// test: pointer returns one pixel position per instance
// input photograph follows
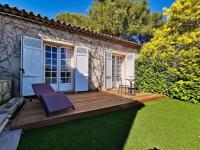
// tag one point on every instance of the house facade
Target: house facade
(34, 49)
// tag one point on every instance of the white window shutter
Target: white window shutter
(108, 69)
(81, 69)
(130, 66)
(31, 64)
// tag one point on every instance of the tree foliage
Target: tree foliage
(170, 63)
(117, 17)
(75, 19)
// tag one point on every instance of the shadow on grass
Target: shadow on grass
(108, 132)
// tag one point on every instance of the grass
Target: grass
(164, 125)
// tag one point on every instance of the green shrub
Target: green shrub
(153, 76)
(170, 63)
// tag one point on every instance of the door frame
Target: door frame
(46, 43)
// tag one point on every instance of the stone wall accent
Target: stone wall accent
(5, 89)
(13, 28)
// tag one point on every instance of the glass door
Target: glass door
(51, 66)
(65, 79)
(58, 70)
(116, 70)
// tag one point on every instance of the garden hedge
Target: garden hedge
(170, 63)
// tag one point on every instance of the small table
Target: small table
(131, 86)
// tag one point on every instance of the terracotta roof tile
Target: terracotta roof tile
(62, 25)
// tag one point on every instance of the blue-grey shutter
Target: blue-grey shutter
(130, 66)
(31, 63)
(81, 69)
(108, 69)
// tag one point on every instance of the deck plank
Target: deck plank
(86, 104)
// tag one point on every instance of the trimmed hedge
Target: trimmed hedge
(156, 77)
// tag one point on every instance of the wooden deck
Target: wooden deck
(86, 104)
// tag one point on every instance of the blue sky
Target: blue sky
(51, 8)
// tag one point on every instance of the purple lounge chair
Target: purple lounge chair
(51, 100)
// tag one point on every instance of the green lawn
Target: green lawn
(165, 125)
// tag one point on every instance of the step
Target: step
(9, 139)
(11, 106)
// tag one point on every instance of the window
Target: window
(58, 65)
(51, 64)
(116, 69)
(65, 61)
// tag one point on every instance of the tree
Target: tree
(117, 17)
(75, 19)
(141, 20)
(110, 17)
(172, 58)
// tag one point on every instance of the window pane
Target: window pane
(47, 74)
(48, 55)
(48, 61)
(70, 50)
(63, 68)
(54, 62)
(69, 57)
(48, 80)
(54, 49)
(63, 62)
(63, 50)
(68, 63)
(48, 48)
(68, 74)
(66, 80)
(63, 80)
(48, 68)
(69, 80)
(54, 68)
(63, 74)
(63, 56)
(54, 80)
(54, 74)
(68, 69)
(54, 55)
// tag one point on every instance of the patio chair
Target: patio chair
(121, 85)
(134, 88)
(51, 101)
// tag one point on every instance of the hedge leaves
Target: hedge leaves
(170, 62)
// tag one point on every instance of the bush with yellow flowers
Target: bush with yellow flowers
(170, 63)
